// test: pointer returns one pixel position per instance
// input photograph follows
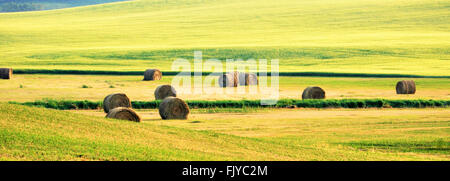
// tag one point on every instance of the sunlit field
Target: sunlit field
(96, 87)
(395, 134)
(356, 50)
(353, 36)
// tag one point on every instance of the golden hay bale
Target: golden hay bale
(6, 73)
(173, 108)
(152, 74)
(406, 87)
(164, 91)
(115, 100)
(235, 78)
(248, 79)
(226, 80)
(313, 93)
(124, 113)
(229, 79)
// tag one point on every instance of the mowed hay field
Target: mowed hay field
(351, 36)
(398, 134)
(364, 37)
(32, 87)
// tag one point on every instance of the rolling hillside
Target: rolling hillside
(28, 133)
(79, 137)
(349, 36)
(37, 5)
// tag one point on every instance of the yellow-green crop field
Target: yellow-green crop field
(366, 134)
(365, 37)
(351, 36)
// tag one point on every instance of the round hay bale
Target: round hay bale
(313, 93)
(173, 108)
(412, 87)
(229, 79)
(164, 91)
(235, 79)
(115, 100)
(226, 80)
(152, 74)
(252, 79)
(6, 73)
(124, 113)
(248, 79)
(242, 78)
(406, 87)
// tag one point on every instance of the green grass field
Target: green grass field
(42, 134)
(370, 36)
(359, 45)
(249, 105)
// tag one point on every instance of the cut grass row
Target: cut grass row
(310, 74)
(284, 103)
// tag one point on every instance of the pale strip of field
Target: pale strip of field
(306, 122)
(69, 87)
(422, 133)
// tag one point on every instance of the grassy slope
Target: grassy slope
(56, 135)
(55, 4)
(370, 36)
(41, 134)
